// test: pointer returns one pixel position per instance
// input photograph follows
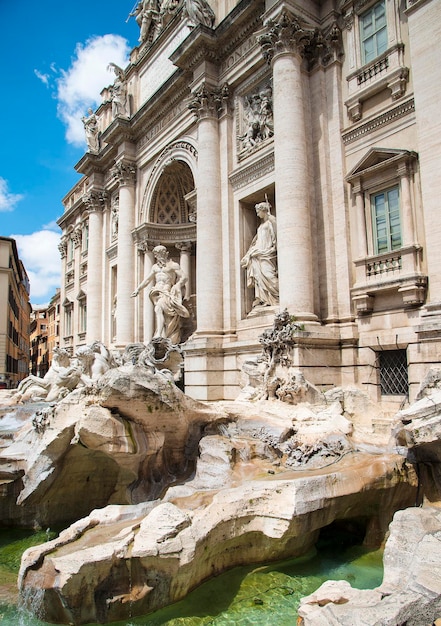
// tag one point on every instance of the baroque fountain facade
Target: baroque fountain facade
(212, 245)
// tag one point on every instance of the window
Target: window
(393, 373)
(373, 32)
(386, 220)
(68, 321)
(83, 315)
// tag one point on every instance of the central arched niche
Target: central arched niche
(170, 223)
(169, 204)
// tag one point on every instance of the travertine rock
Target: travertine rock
(411, 590)
(151, 560)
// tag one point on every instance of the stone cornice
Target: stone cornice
(204, 44)
(403, 109)
(120, 130)
(155, 234)
(252, 171)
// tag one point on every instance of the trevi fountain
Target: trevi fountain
(157, 493)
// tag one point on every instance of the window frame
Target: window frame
(389, 227)
(374, 35)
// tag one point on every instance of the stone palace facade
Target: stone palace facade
(327, 112)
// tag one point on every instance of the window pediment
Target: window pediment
(379, 158)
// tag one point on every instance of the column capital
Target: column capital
(183, 246)
(95, 200)
(144, 247)
(125, 172)
(287, 34)
(209, 100)
(62, 247)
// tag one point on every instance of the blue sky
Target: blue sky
(54, 65)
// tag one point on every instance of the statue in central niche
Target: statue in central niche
(260, 261)
(166, 294)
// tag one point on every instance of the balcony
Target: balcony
(386, 72)
(398, 271)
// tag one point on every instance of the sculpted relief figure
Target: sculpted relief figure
(118, 93)
(91, 128)
(258, 118)
(166, 294)
(260, 261)
(199, 12)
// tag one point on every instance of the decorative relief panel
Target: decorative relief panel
(255, 119)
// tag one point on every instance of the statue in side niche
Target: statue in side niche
(166, 295)
(260, 261)
(118, 93)
(199, 12)
(91, 128)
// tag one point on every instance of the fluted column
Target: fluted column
(125, 172)
(184, 261)
(95, 202)
(283, 45)
(148, 311)
(206, 105)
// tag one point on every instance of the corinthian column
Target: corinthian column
(283, 43)
(206, 105)
(125, 172)
(95, 202)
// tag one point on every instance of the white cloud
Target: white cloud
(8, 200)
(43, 77)
(41, 258)
(79, 87)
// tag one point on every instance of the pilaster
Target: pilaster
(207, 104)
(95, 202)
(125, 173)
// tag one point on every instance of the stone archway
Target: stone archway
(169, 207)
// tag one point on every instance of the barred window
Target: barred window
(393, 373)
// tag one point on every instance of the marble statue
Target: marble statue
(199, 12)
(94, 360)
(261, 259)
(61, 378)
(91, 128)
(118, 91)
(166, 295)
(148, 18)
(114, 218)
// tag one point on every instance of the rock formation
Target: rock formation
(411, 590)
(171, 491)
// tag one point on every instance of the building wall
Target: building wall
(14, 315)
(345, 130)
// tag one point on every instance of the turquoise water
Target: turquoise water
(247, 596)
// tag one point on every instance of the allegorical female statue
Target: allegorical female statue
(91, 128)
(260, 261)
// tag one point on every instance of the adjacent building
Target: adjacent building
(39, 357)
(328, 111)
(14, 316)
